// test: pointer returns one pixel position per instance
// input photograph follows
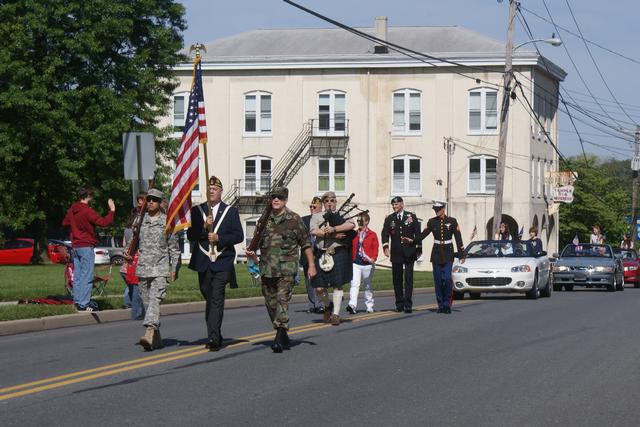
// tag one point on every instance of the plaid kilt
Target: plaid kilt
(341, 273)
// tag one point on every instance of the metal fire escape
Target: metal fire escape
(315, 139)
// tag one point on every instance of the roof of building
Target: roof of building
(280, 48)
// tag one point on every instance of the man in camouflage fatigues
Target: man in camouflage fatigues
(157, 263)
(283, 235)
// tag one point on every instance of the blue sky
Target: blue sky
(612, 24)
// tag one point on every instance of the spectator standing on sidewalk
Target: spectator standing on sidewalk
(82, 220)
(364, 251)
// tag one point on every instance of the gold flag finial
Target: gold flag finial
(197, 47)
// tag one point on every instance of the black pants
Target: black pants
(403, 296)
(212, 284)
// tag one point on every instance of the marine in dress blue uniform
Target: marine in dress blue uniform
(214, 274)
(402, 230)
(444, 229)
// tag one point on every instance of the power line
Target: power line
(578, 36)
(401, 49)
(596, 64)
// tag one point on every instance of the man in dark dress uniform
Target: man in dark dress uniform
(315, 303)
(214, 222)
(444, 229)
(402, 228)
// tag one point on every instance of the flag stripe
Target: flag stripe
(187, 172)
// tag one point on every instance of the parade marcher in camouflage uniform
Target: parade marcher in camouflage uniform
(157, 262)
(283, 235)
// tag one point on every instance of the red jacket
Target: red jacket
(82, 220)
(369, 245)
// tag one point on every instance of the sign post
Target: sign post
(139, 159)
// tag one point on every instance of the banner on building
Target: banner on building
(560, 178)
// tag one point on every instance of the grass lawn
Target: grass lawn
(34, 281)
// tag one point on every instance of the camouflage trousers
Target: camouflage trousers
(277, 294)
(152, 291)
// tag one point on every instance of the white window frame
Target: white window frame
(404, 128)
(260, 116)
(483, 174)
(331, 130)
(406, 190)
(483, 112)
(258, 187)
(177, 133)
(332, 175)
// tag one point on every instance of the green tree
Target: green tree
(599, 198)
(74, 75)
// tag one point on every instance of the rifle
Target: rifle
(132, 248)
(213, 250)
(262, 222)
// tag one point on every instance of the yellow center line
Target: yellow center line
(116, 368)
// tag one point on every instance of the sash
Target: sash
(215, 230)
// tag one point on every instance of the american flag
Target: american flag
(186, 174)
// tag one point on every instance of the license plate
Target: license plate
(580, 277)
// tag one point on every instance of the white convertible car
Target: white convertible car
(501, 266)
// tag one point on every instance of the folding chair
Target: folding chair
(101, 279)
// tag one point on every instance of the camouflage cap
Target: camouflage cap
(282, 192)
(214, 180)
(154, 192)
(316, 200)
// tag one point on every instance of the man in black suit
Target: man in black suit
(403, 229)
(315, 303)
(214, 223)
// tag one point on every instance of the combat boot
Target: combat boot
(146, 341)
(286, 343)
(157, 340)
(276, 346)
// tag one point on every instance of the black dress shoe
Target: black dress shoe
(439, 310)
(399, 309)
(446, 310)
(213, 346)
(408, 310)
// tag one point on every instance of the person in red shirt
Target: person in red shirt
(83, 220)
(364, 254)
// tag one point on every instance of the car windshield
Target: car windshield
(495, 249)
(586, 250)
(626, 253)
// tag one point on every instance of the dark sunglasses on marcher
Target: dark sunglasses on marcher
(153, 199)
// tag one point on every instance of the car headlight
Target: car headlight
(521, 269)
(459, 269)
(560, 268)
(631, 268)
(603, 269)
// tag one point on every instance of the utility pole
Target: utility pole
(449, 147)
(504, 121)
(634, 193)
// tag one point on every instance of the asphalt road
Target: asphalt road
(571, 360)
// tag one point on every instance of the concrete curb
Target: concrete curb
(12, 327)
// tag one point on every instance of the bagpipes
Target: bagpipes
(334, 219)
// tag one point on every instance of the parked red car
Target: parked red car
(19, 251)
(16, 251)
(631, 265)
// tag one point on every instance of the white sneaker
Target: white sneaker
(369, 310)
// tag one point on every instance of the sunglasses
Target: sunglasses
(153, 199)
(276, 196)
(329, 200)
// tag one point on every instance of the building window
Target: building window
(482, 175)
(332, 115)
(483, 111)
(331, 175)
(179, 111)
(249, 230)
(406, 111)
(257, 175)
(406, 176)
(257, 113)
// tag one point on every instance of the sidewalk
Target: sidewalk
(11, 327)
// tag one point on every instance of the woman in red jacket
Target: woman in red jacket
(364, 254)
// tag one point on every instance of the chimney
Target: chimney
(380, 31)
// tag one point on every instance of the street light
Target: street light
(553, 41)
